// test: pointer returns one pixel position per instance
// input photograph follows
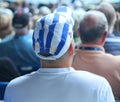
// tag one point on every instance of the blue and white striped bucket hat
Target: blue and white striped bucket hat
(52, 35)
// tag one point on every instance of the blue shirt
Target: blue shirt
(112, 44)
(20, 50)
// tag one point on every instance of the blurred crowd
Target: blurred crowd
(17, 22)
(36, 11)
(18, 18)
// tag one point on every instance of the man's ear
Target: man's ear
(71, 48)
(104, 38)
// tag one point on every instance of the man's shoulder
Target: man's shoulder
(5, 45)
(6, 42)
(76, 76)
(109, 56)
(22, 80)
(86, 78)
(88, 75)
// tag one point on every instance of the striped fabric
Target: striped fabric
(52, 35)
(67, 13)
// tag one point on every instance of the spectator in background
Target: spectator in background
(6, 29)
(78, 4)
(91, 57)
(78, 13)
(56, 81)
(18, 5)
(8, 70)
(25, 6)
(117, 23)
(44, 10)
(19, 48)
(112, 43)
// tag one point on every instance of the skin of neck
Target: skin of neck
(54, 64)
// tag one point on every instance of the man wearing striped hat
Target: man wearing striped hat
(57, 81)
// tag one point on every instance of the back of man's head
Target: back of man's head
(92, 26)
(110, 14)
(20, 21)
(5, 22)
(52, 36)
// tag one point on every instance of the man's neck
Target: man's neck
(54, 65)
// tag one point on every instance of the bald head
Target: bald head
(109, 12)
(92, 26)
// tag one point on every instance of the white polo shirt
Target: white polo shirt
(59, 85)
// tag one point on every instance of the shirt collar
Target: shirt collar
(55, 70)
(93, 46)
